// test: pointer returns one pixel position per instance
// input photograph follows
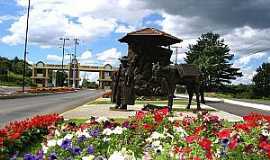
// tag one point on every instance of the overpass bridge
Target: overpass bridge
(44, 75)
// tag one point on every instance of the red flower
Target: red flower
(191, 138)
(140, 115)
(265, 146)
(147, 126)
(158, 118)
(209, 155)
(205, 144)
(225, 133)
(163, 111)
(233, 143)
(1, 141)
(196, 158)
(198, 130)
(14, 136)
(245, 127)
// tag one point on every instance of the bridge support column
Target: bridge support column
(46, 77)
(33, 74)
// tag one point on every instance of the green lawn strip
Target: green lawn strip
(228, 96)
(255, 100)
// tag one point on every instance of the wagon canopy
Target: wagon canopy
(150, 36)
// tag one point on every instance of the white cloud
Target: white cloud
(86, 58)
(54, 58)
(6, 18)
(85, 20)
(109, 56)
(91, 76)
(245, 60)
(124, 29)
(247, 40)
(248, 74)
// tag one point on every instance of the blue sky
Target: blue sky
(99, 25)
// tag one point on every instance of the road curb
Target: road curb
(31, 95)
(247, 104)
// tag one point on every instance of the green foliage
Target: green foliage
(11, 71)
(262, 81)
(88, 84)
(60, 78)
(212, 57)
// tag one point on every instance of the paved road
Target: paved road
(15, 109)
(235, 109)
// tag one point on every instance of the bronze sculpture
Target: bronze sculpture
(147, 69)
(183, 74)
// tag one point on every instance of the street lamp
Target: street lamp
(63, 47)
(25, 44)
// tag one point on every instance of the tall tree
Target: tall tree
(262, 81)
(212, 57)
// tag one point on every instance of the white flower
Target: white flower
(158, 149)
(51, 143)
(68, 136)
(102, 119)
(105, 139)
(171, 119)
(180, 130)
(107, 131)
(156, 135)
(118, 130)
(91, 157)
(122, 155)
(59, 141)
(117, 156)
(83, 133)
(44, 148)
(265, 132)
(156, 144)
(57, 133)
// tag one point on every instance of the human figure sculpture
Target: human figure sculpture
(120, 88)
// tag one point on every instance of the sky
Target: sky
(98, 24)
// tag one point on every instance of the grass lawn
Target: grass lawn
(229, 96)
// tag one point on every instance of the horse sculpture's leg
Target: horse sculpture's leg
(190, 96)
(197, 92)
(202, 95)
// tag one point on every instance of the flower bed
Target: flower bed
(17, 136)
(159, 135)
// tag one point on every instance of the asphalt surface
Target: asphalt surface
(21, 108)
(235, 109)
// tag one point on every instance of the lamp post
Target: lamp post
(63, 52)
(25, 44)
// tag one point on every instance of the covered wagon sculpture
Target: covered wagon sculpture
(148, 71)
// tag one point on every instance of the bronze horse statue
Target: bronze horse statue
(183, 74)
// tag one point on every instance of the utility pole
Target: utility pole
(176, 53)
(76, 42)
(63, 56)
(70, 65)
(25, 44)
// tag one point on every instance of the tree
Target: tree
(262, 81)
(212, 57)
